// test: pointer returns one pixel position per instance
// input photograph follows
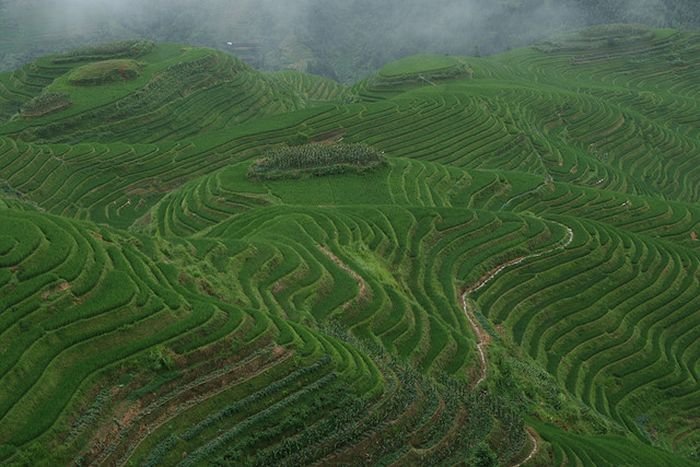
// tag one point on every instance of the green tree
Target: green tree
(483, 457)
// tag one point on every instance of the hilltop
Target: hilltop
(115, 93)
(480, 260)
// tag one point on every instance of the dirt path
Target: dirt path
(483, 337)
(361, 284)
(469, 307)
(535, 448)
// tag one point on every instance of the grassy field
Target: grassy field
(517, 279)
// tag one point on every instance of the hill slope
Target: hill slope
(518, 283)
(156, 94)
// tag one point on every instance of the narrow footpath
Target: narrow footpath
(483, 337)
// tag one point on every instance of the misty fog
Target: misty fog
(343, 39)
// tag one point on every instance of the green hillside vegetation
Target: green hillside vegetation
(421, 64)
(602, 37)
(317, 89)
(108, 51)
(316, 160)
(108, 71)
(414, 71)
(515, 280)
(154, 99)
(45, 103)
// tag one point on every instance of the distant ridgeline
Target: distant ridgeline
(103, 52)
(457, 261)
(335, 38)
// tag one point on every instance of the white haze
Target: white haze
(367, 32)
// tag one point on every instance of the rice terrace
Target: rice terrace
(458, 260)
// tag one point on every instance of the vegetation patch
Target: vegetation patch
(45, 104)
(419, 70)
(316, 160)
(601, 36)
(108, 71)
(422, 69)
(420, 64)
(112, 50)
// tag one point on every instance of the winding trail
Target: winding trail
(483, 337)
(535, 448)
(361, 283)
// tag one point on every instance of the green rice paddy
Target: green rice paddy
(160, 307)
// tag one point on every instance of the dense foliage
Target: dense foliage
(108, 71)
(316, 159)
(45, 103)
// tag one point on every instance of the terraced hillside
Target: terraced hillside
(518, 283)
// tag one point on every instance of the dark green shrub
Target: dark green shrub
(317, 160)
(104, 72)
(45, 104)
